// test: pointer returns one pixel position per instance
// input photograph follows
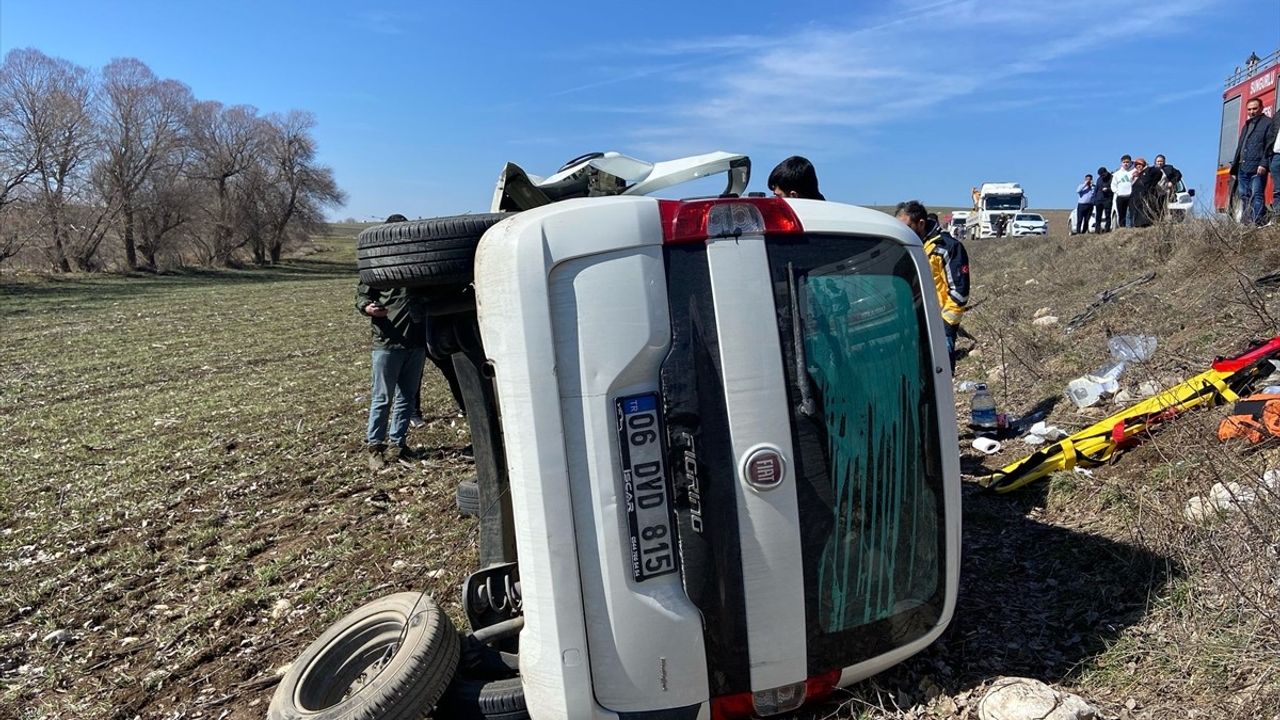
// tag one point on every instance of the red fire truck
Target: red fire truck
(1257, 79)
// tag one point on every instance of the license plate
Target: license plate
(646, 487)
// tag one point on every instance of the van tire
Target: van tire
(423, 649)
(485, 700)
(422, 253)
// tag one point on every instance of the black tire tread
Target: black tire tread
(485, 700)
(422, 253)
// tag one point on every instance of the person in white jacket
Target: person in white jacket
(1122, 186)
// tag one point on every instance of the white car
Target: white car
(721, 435)
(1029, 224)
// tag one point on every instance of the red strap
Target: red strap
(1244, 360)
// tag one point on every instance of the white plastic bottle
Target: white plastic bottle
(982, 409)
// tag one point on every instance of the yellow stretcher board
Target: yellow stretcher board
(1098, 443)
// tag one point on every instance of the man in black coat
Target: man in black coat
(1249, 167)
(1144, 203)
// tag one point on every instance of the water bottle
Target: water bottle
(982, 409)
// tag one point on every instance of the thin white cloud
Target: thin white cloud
(1209, 89)
(625, 76)
(916, 58)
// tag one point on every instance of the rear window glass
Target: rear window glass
(865, 431)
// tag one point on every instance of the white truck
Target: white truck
(998, 203)
(958, 224)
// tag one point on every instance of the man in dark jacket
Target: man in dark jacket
(1145, 199)
(1249, 167)
(1167, 186)
(398, 327)
(1104, 199)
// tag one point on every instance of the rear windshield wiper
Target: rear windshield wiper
(806, 406)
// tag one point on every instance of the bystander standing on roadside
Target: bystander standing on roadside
(949, 264)
(1249, 166)
(1086, 196)
(1145, 195)
(398, 328)
(1122, 186)
(1104, 201)
(1275, 171)
(441, 361)
(1168, 186)
(795, 177)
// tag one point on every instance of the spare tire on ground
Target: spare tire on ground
(389, 659)
(422, 253)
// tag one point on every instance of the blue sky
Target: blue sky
(419, 104)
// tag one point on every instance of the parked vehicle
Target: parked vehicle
(998, 202)
(1181, 202)
(685, 512)
(958, 224)
(1257, 79)
(1029, 224)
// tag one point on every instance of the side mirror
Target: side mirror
(1191, 192)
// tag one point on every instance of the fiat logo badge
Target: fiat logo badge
(764, 468)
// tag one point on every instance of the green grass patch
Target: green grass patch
(183, 451)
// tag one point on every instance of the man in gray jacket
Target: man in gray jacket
(1249, 167)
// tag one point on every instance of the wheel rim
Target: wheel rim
(351, 661)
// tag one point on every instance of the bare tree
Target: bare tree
(144, 121)
(164, 206)
(252, 209)
(224, 143)
(52, 99)
(136, 157)
(297, 188)
(15, 228)
(18, 154)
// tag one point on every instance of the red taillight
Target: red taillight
(745, 705)
(820, 686)
(732, 707)
(698, 220)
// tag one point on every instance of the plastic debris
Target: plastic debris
(1132, 348)
(1040, 432)
(1088, 389)
(1084, 392)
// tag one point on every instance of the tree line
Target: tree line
(121, 168)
